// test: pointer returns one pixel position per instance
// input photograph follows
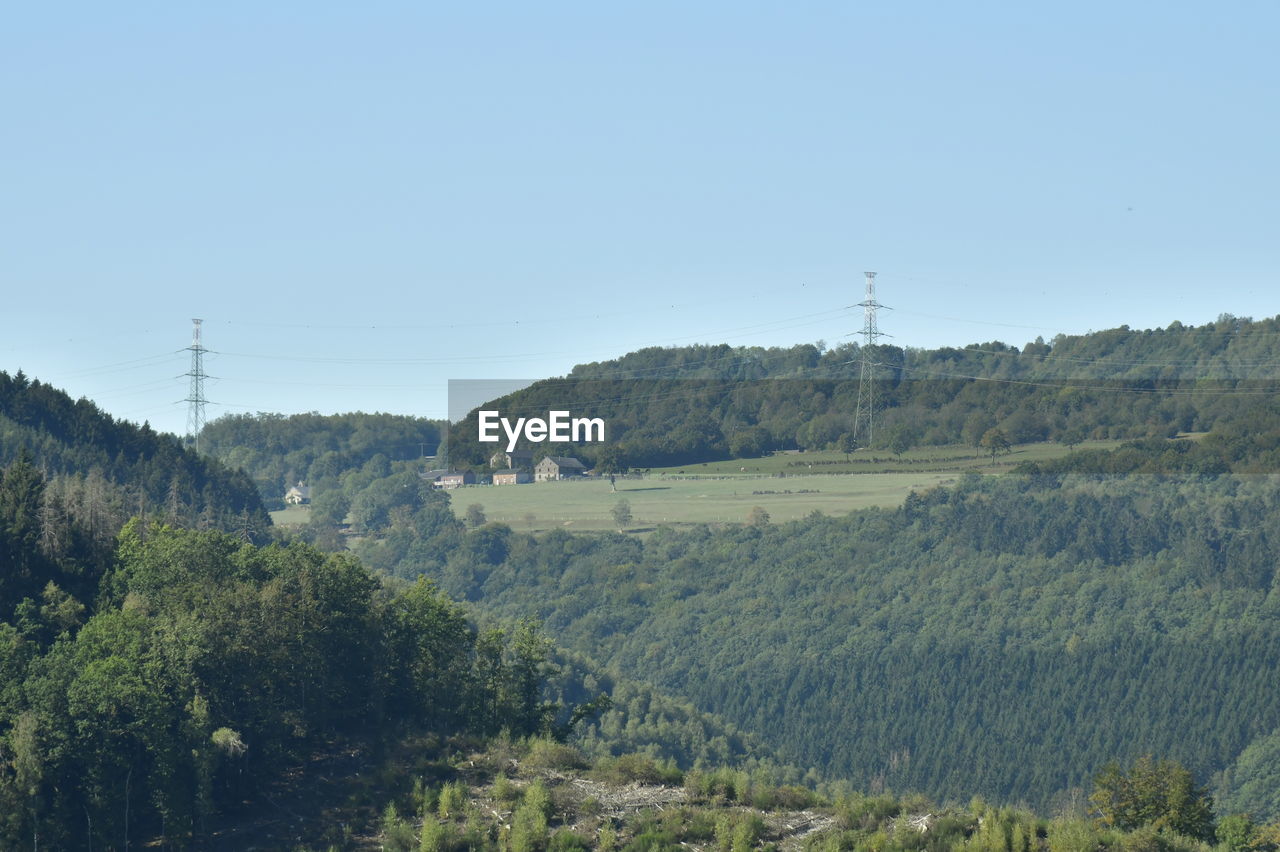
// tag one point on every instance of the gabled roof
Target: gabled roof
(563, 461)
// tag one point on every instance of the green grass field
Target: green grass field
(292, 516)
(720, 492)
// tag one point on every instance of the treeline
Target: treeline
(1005, 636)
(1247, 442)
(280, 450)
(133, 466)
(692, 404)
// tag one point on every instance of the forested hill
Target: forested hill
(113, 469)
(159, 685)
(280, 450)
(1005, 637)
(1230, 348)
(697, 403)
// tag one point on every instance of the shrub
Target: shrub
(397, 834)
(565, 840)
(504, 790)
(529, 825)
(627, 768)
(1073, 835)
(434, 836)
(453, 800)
(549, 754)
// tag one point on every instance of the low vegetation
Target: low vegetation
(506, 797)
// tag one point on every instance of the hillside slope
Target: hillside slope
(1006, 637)
(129, 469)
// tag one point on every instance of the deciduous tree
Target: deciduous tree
(621, 512)
(1158, 793)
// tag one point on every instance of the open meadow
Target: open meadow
(786, 485)
(292, 516)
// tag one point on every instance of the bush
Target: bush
(652, 839)
(397, 834)
(529, 824)
(434, 836)
(626, 768)
(565, 840)
(538, 799)
(549, 754)
(453, 800)
(786, 798)
(866, 812)
(726, 785)
(1144, 839)
(504, 790)
(1074, 835)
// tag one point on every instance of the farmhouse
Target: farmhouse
(453, 480)
(557, 467)
(511, 477)
(298, 495)
(441, 478)
(513, 460)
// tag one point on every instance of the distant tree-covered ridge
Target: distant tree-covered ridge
(698, 403)
(280, 450)
(120, 469)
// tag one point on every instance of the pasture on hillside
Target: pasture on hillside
(786, 485)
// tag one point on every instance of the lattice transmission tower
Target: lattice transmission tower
(195, 395)
(864, 415)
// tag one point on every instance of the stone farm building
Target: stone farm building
(453, 480)
(511, 477)
(514, 460)
(557, 467)
(449, 478)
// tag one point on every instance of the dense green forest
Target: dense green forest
(152, 683)
(107, 470)
(687, 404)
(280, 450)
(1005, 637)
(156, 682)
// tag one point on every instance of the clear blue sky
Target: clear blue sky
(364, 201)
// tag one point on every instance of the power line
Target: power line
(1070, 384)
